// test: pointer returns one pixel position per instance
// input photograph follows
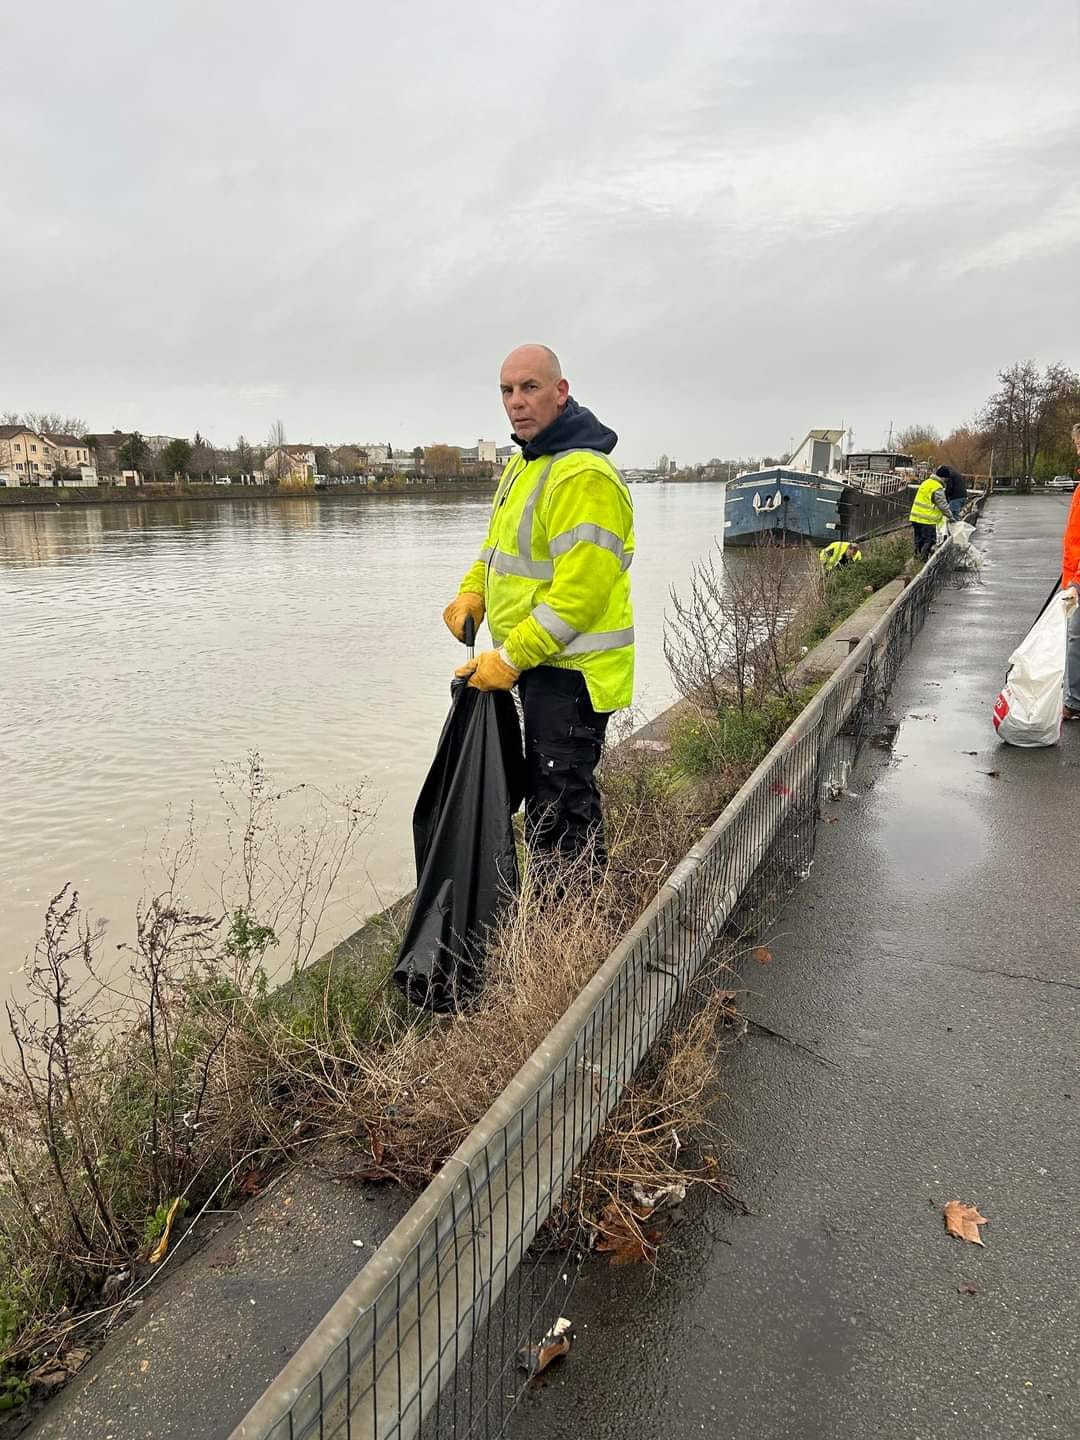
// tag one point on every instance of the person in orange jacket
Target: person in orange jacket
(1070, 579)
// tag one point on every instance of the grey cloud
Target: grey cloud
(731, 221)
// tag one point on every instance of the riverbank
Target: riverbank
(34, 498)
(336, 1060)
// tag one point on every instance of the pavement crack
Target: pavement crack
(1002, 974)
(795, 1044)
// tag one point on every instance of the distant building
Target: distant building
(25, 457)
(74, 458)
(157, 443)
(505, 453)
(290, 464)
(484, 452)
(30, 458)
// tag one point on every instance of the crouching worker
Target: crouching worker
(840, 552)
(552, 579)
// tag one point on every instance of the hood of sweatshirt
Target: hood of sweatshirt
(574, 428)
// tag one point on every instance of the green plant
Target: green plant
(156, 1223)
(732, 739)
(247, 941)
(14, 1388)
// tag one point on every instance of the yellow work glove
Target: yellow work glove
(459, 610)
(489, 671)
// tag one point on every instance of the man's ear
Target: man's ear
(563, 388)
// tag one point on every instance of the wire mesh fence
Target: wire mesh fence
(439, 1333)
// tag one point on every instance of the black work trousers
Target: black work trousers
(564, 736)
(925, 540)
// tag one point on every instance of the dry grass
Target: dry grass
(135, 1094)
(419, 1092)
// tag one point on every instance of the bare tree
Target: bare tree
(42, 420)
(920, 441)
(243, 454)
(346, 460)
(201, 464)
(276, 463)
(967, 449)
(1027, 410)
(732, 640)
(442, 461)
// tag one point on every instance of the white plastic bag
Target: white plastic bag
(967, 557)
(1028, 710)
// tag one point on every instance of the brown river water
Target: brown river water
(143, 646)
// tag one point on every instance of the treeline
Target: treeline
(1023, 431)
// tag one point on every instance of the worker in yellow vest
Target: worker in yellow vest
(553, 580)
(840, 552)
(929, 510)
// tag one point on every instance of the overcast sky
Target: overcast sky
(732, 220)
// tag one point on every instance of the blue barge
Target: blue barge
(820, 495)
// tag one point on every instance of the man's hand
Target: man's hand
(459, 610)
(489, 671)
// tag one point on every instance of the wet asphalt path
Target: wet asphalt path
(933, 959)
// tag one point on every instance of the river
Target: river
(146, 645)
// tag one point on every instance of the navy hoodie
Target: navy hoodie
(574, 428)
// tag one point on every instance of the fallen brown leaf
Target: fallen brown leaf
(622, 1237)
(963, 1221)
(60, 1368)
(762, 955)
(251, 1182)
(51, 1374)
(966, 1290)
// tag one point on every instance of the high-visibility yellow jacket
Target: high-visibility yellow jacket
(832, 555)
(554, 570)
(927, 508)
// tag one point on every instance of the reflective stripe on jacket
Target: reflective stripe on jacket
(925, 509)
(553, 570)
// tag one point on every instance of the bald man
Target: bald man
(553, 581)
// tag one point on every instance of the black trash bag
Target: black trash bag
(466, 862)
